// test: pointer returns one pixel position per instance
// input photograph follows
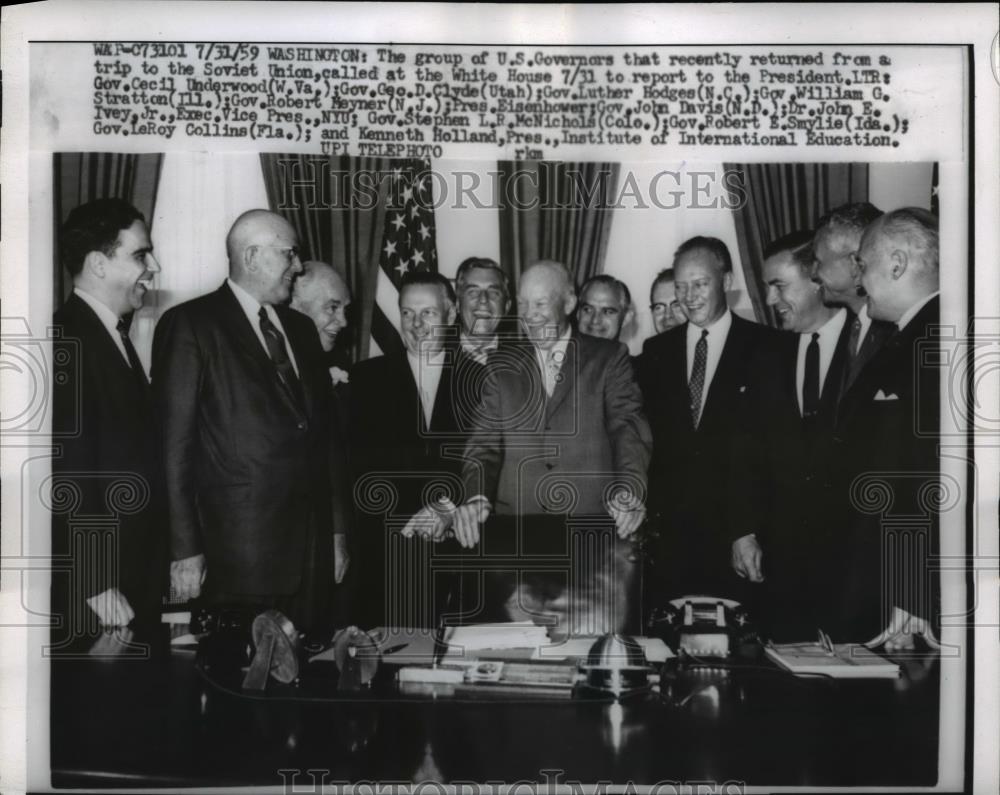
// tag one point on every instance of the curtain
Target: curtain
(559, 211)
(81, 177)
(339, 216)
(779, 198)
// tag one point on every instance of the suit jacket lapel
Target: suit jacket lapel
(839, 364)
(246, 339)
(298, 348)
(678, 375)
(102, 337)
(732, 351)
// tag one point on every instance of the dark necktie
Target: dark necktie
(853, 339)
(133, 357)
(810, 384)
(279, 355)
(697, 383)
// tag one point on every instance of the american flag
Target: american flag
(408, 244)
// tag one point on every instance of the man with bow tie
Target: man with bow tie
(104, 428)
(560, 443)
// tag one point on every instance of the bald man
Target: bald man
(888, 425)
(559, 449)
(322, 294)
(243, 395)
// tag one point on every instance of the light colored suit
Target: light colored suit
(548, 465)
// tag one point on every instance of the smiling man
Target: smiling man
(560, 436)
(698, 378)
(243, 391)
(105, 424)
(835, 245)
(789, 500)
(605, 307)
(322, 294)
(409, 413)
(483, 300)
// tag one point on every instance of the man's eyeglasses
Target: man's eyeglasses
(291, 252)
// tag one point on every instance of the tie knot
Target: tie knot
(815, 336)
(262, 314)
(124, 324)
(704, 333)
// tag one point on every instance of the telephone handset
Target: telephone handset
(702, 626)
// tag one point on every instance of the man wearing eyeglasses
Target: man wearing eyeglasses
(243, 391)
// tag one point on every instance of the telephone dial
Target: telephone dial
(702, 626)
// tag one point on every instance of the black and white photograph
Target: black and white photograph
(484, 401)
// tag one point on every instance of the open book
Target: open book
(846, 661)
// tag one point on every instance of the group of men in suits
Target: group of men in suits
(735, 445)
(763, 438)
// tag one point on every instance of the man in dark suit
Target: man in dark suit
(698, 379)
(835, 246)
(408, 416)
(888, 431)
(787, 492)
(104, 425)
(560, 439)
(483, 296)
(243, 390)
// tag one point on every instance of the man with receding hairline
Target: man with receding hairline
(559, 436)
(835, 247)
(321, 293)
(888, 427)
(605, 307)
(697, 379)
(244, 395)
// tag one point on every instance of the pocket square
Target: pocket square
(880, 395)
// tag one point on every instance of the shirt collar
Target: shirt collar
(832, 327)
(473, 345)
(910, 313)
(104, 313)
(251, 306)
(717, 330)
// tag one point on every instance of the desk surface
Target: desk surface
(167, 722)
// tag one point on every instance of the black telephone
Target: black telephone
(702, 626)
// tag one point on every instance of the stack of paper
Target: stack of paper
(846, 661)
(496, 637)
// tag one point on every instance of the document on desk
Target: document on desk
(846, 661)
(505, 636)
(656, 650)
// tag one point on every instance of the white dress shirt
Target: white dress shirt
(108, 319)
(866, 323)
(829, 333)
(716, 339)
(427, 375)
(910, 313)
(478, 351)
(556, 356)
(251, 307)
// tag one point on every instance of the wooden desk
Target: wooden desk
(165, 722)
